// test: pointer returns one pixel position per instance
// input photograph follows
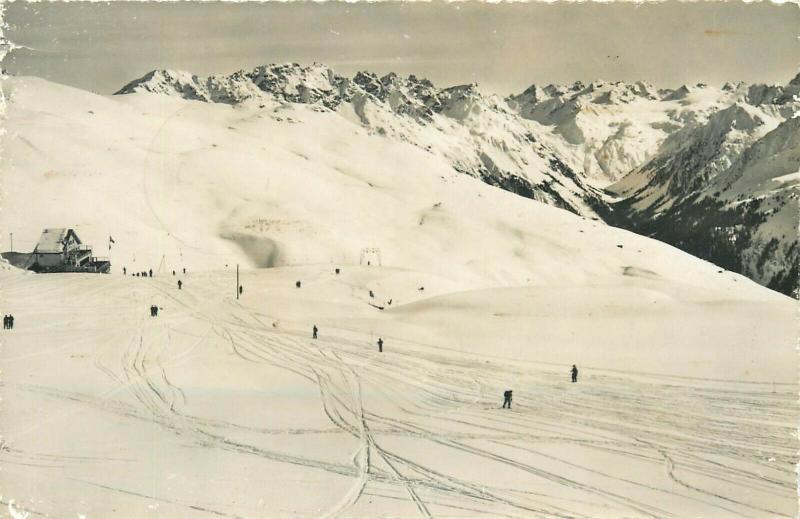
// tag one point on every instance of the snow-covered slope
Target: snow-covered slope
(686, 398)
(477, 134)
(208, 185)
(226, 407)
(558, 144)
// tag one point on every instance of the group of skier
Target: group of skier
(144, 273)
(8, 322)
(149, 273)
(315, 332)
(507, 394)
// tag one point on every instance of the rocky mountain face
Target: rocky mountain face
(713, 171)
(736, 206)
(726, 189)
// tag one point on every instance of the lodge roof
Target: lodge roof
(52, 240)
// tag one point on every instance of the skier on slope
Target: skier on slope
(315, 330)
(180, 284)
(574, 372)
(380, 344)
(507, 398)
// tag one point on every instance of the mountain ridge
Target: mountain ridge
(477, 133)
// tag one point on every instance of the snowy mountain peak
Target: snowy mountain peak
(679, 93)
(315, 83)
(162, 82)
(535, 94)
(410, 96)
(291, 81)
(318, 84)
(462, 101)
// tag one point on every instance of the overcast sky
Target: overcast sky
(502, 47)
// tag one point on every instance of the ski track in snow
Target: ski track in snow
(714, 445)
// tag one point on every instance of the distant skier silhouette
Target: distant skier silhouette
(150, 272)
(5, 322)
(507, 398)
(371, 294)
(574, 372)
(297, 284)
(180, 284)
(124, 271)
(315, 330)
(380, 345)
